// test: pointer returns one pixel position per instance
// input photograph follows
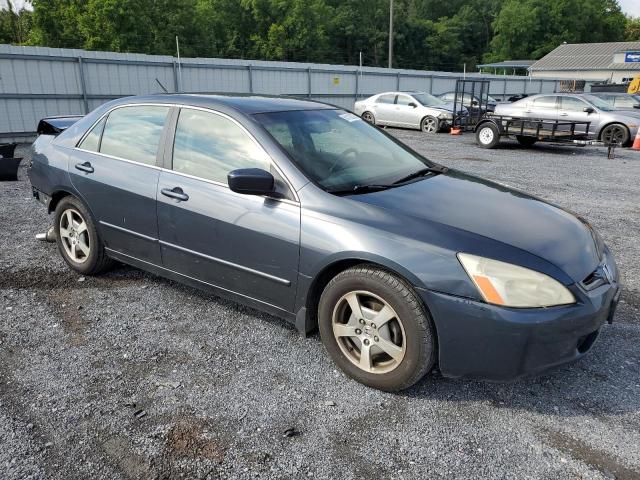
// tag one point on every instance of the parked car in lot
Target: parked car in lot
(619, 101)
(406, 109)
(607, 124)
(309, 213)
(471, 102)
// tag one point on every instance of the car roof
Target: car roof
(247, 104)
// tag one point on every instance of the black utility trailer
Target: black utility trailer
(528, 131)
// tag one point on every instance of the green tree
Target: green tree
(532, 28)
(632, 30)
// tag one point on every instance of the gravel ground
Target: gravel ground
(132, 376)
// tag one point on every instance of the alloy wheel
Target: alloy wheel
(368, 117)
(75, 235)
(430, 125)
(614, 135)
(369, 332)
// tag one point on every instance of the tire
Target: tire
(82, 238)
(487, 135)
(408, 332)
(369, 118)
(615, 132)
(526, 141)
(430, 124)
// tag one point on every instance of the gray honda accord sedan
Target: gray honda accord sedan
(307, 212)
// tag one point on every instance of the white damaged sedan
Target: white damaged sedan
(406, 109)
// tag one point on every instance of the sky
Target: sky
(630, 7)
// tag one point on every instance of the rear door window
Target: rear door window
(92, 141)
(133, 133)
(386, 99)
(545, 102)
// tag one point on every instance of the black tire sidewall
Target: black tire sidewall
(424, 120)
(496, 135)
(373, 118)
(95, 244)
(418, 355)
(627, 135)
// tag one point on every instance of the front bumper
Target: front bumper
(479, 340)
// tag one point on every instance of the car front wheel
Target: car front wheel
(615, 133)
(430, 124)
(376, 329)
(78, 240)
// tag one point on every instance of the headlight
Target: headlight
(446, 116)
(508, 285)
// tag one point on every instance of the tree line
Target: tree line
(428, 34)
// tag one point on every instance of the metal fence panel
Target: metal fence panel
(38, 81)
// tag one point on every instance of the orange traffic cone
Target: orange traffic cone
(636, 142)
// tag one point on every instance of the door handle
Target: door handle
(564, 114)
(175, 192)
(85, 167)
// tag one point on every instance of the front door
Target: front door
(572, 109)
(407, 115)
(116, 172)
(245, 244)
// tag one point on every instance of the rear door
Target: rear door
(572, 109)
(244, 244)
(543, 108)
(384, 109)
(115, 169)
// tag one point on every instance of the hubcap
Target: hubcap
(74, 235)
(486, 136)
(614, 134)
(430, 125)
(369, 332)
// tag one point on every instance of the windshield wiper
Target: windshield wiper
(436, 169)
(361, 189)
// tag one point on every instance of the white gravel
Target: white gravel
(131, 376)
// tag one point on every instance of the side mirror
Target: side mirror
(475, 103)
(251, 181)
(637, 105)
(411, 104)
(588, 110)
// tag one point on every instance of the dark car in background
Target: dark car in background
(309, 213)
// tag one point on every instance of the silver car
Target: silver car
(607, 124)
(406, 109)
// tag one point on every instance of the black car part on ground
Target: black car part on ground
(8, 163)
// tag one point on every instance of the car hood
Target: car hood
(499, 213)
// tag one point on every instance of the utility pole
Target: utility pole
(390, 33)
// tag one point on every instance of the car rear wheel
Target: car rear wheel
(526, 141)
(487, 135)
(430, 124)
(375, 328)
(369, 118)
(615, 133)
(78, 240)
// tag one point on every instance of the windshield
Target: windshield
(428, 100)
(338, 150)
(599, 103)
